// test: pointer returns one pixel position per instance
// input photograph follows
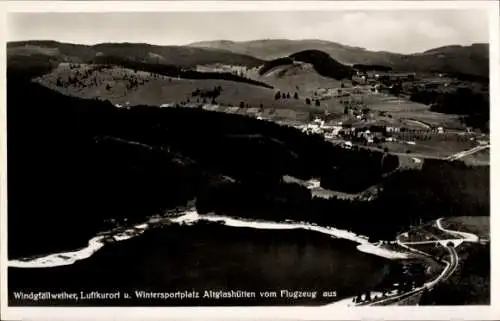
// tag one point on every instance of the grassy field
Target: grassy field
(480, 158)
(408, 110)
(410, 162)
(301, 78)
(479, 225)
(111, 84)
(434, 147)
(114, 84)
(298, 77)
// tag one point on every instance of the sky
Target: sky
(398, 31)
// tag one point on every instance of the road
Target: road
(455, 156)
(467, 152)
(448, 271)
(453, 264)
(468, 237)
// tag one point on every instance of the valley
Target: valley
(275, 159)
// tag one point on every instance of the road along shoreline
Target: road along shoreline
(449, 269)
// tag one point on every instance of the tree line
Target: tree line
(474, 106)
(104, 162)
(174, 71)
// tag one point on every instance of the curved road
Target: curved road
(468, 237)
(448, 271)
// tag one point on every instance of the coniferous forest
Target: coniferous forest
(75, 162)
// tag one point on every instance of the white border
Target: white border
(386, 313)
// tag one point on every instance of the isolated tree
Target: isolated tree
(242, 104)
(318, 102)
(277, 96)
(296, 95)
(342, 85)
(283, 96)
(308, 101)
(288, 96)
(108, 86)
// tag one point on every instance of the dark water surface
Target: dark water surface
(208, 257)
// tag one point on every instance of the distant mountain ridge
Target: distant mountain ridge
(469, 60)
(181, 56)
(466, 61)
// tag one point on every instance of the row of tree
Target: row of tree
(174, 71)
(279, 95)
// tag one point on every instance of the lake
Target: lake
(296, 264)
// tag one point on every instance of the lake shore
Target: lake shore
(183, 257)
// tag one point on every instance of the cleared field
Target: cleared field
(299, 77)
(390, 104)
(433, 147)
(479, 158)
(409, 162)
(479, 225)
(113, 84)
(404, 109)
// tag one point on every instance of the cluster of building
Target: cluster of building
(365, 131)
(374, 77)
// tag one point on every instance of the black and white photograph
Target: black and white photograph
(321, 157)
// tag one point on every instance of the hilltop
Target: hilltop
(138, 52)
(145, 74)
(126, 86)
(472, 60)
(321, 62)
(469, 60)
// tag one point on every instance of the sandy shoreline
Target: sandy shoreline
(190, 217)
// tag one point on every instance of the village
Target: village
(363, 112)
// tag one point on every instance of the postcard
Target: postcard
(248, 159)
